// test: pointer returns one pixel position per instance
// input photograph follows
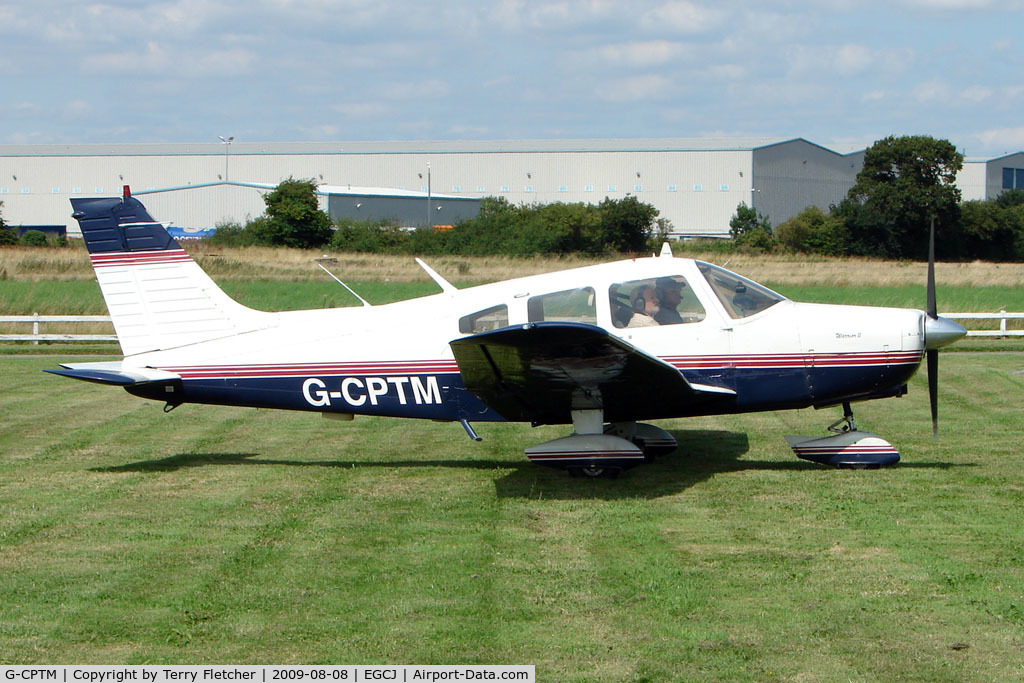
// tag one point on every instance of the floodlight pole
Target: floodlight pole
(429, 200)
(226, 141)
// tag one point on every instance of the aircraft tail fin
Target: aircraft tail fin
(158, 296)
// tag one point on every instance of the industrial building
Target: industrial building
(982, 179)
(695, 183)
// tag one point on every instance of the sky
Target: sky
(840, 73)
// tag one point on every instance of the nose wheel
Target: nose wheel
(593, 472)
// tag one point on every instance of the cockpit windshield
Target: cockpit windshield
(740, 297)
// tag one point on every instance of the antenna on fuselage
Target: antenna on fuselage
(446, 287)
(350, 290)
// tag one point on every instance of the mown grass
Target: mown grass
(235, 535)
(84, 298)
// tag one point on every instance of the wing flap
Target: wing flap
(542, 371)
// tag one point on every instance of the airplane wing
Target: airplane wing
(541, 371)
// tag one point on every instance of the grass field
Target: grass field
(222, 535)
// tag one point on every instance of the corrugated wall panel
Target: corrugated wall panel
(697, 190)
(972, 181)
(792, 176)
(994, 176)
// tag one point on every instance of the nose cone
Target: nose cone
(939, 332)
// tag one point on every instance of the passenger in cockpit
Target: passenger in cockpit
(645, 307)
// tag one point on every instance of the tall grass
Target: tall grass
(264, 263)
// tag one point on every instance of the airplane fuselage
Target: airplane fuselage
(343, 360)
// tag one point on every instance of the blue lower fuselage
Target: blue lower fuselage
(442, 396)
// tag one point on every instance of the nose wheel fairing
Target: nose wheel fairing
(854, 449)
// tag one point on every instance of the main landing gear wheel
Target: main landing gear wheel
(653, 441)
(594, 472)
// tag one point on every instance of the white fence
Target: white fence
(35, 319)
(38, 336)
(1001, 316)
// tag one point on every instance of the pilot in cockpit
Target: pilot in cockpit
(669, 294)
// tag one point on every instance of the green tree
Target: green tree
(33, 238)
(905, 182)
(989, 231)
(1016, 214)
(626, 225)
(1010, 198)
(500, 228)
(370, 236)
(751, 229)
(294, 218)
(7, 235)
(813, 231)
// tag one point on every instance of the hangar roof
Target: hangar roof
(339, 190)
(400, 147)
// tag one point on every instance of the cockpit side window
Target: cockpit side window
(740, 297)
(492, 318)
(571, 305)
(654, 301)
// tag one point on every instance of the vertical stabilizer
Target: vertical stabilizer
(158, 296)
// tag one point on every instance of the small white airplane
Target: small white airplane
(600, 347)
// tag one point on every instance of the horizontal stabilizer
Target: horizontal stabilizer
(112, 373)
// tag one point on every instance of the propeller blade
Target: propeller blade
(933, 389)
(933, 311)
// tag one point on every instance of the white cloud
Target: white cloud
(636, 89)
(181, 63)
(852, 59)
(76, 108)
(934, 90)
(1012, 92)
(977, 93)
(682, 16)
(414, 90)
(599, 68)
(513, 16)
(362, 110)
(1005, 139)
(727, 72)
(847, 60)
(464, 131)
(324, 131)
(949, 4)
(643, 53)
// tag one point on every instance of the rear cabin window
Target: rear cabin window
(653, 302)
(740, 297)
(492, 318)
(572, 305)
